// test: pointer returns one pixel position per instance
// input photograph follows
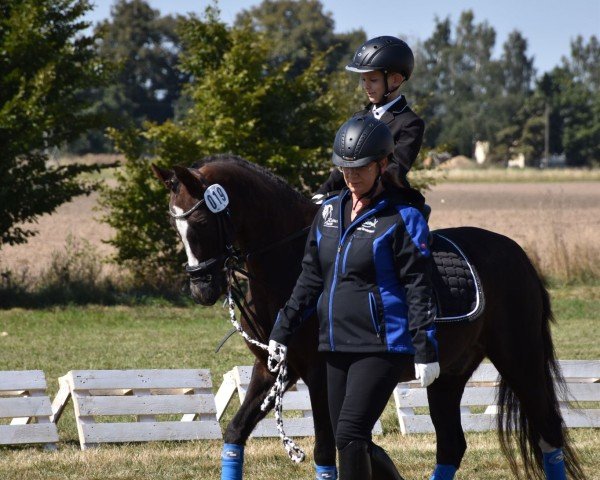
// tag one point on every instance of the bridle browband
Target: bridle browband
(179, 216)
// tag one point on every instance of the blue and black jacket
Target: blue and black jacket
(370, 281)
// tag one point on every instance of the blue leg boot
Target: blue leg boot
(232, 461)
(326, 472)
(554, 465)
(443, 472)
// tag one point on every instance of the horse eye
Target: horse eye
(198, 220)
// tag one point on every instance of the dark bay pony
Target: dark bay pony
(513, 330)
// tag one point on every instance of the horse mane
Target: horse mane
(287, 192)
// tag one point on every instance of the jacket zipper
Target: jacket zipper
(342, 237)
(346, 254)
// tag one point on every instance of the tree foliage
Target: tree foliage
(45, 62)
(143, 48)
(463, 94)
(240, 103)
(578, 104)
(297, 31)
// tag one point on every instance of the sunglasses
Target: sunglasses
(356, 170)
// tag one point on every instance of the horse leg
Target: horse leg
(444, 397)
(324, 451)
(244, 421)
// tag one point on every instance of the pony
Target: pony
(262, 219)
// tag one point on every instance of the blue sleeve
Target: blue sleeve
(414, 265)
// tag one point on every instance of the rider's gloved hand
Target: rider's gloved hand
(277, 355)
(427, 372)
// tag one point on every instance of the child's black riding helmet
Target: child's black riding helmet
(388, 54)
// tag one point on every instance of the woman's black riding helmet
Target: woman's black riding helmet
(388, 54)
(360, 141)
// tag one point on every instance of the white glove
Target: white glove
(427, 372)
(277, 354)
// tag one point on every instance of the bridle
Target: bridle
(231, 257)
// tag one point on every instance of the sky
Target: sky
(548, 25)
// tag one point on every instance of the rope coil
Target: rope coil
(295, 453)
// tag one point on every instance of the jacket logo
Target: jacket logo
(329, 221)
(368, 226)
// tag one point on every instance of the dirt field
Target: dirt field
(545, 218)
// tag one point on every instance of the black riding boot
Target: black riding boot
(355, 462)
(382, 465)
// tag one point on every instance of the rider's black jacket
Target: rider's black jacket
(407, 129)
(369, 281)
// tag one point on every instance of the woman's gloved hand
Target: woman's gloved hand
(427, 372)
(277, 355)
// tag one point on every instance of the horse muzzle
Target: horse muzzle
(207, 282)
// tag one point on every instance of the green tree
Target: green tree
(46, 60)
(517, 67)
(464, 95)
(242, 104)
(571, 92)
(430, 79)
(515, 73)
(456, 83)
(298, 30)
(579, 102)
(144, 48)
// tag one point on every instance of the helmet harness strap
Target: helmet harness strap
(387, 89)
(372, 190)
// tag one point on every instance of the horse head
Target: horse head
(196, 223)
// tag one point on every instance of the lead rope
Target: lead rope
(295, 453)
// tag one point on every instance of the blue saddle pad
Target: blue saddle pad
(458, 291)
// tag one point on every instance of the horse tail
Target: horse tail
(513, 421)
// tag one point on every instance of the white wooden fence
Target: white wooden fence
(143, 394)
(582, 377)
(24, 400)
(180, 405)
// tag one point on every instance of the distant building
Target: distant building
(482, 150)
(517, 161)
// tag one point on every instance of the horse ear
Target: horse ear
(164, 175)
(192, 184)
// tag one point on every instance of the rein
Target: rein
(231, 258)
(295, 453)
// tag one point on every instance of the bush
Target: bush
(76, 274)
(240, 104)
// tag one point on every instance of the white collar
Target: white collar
(378, 112)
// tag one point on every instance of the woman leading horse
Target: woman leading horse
(513, 331)
(367, 271)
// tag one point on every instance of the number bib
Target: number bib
(216, 198)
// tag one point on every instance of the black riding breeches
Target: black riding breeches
(359, 386)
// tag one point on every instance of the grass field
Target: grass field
(163, 336)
